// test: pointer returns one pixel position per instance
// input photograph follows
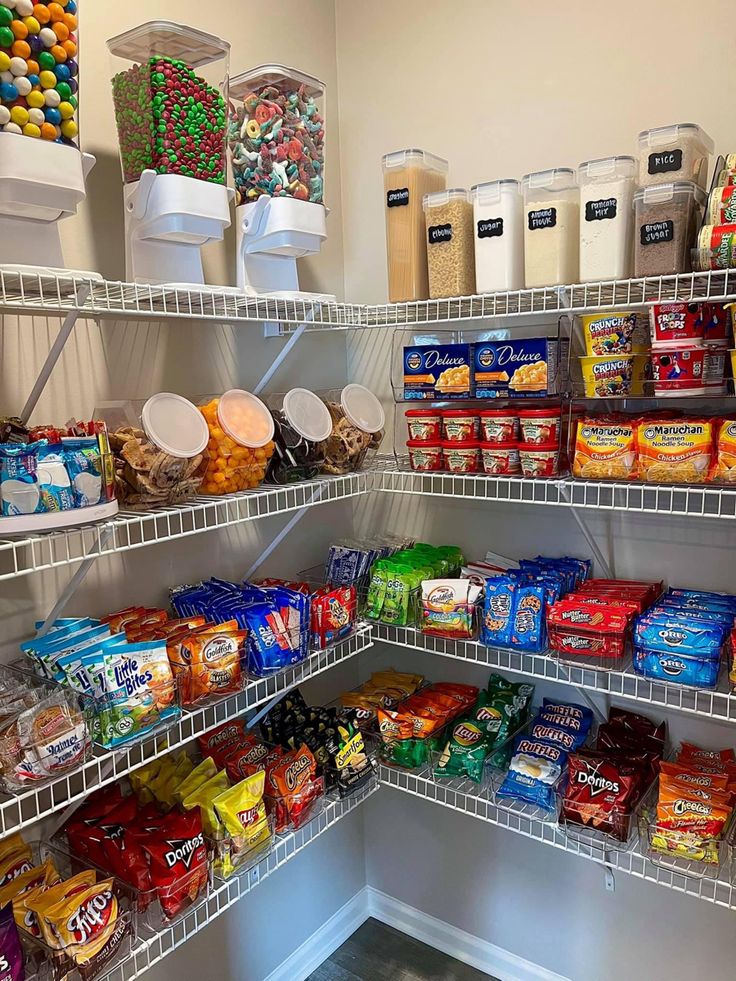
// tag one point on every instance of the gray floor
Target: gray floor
(377, 952)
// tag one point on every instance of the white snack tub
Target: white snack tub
(551, 220)
(679, 152)
(498, 213)
(606, 194)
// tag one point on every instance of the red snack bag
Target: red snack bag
(243, 761)
(708, 757)
(178, 858)
(638, 724)
(601, 793)
(82, 824)
(295, 787)
(688, 776)
(221, 741)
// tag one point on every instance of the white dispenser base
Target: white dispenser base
(272, 234)
(168, 218)
(40, 184)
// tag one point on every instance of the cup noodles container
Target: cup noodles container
(425, 457)
(499, 425)
(540, 425)
(501, 459)
(460, 425)
(686, 370)
(680, 322)
(607, 376)
(425, 425)
(539, 459)
(619, 332)
(462, 457)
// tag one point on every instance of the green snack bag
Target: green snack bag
(522, 693)
(464, 752)
(402, 583)
(377, 589)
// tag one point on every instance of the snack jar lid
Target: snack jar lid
(245, 418)
(362, 408)
(175, 425)
(307, 414)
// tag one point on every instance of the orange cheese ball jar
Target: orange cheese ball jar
(240, 445)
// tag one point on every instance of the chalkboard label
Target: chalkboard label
(657, 231)
(439, 233)
(490, 228)
(398, 197)
(598, 210)
(665, 161)
(544, 218)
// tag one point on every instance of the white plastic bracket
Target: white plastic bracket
(610, 880)
(600, 715)
(288, 527)
(280, 358)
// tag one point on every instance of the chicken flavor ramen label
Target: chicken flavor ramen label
(675, 450)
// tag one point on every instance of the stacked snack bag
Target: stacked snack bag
(394, 588)
(384, 689)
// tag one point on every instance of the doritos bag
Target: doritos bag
(178, 857)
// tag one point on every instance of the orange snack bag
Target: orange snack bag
(674, 450)
(691, 777)
(118, 621)
(214, 659)
(605, 449)
(690, 753)
(677, 810)
(724, 464)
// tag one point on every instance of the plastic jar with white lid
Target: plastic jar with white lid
(606, 191)
(358, 422)
(302, 424)
(407, 176)
(666, 219)
(448, 217)
(680, 152)
(240, 443)
(498, 213)
(551, 227)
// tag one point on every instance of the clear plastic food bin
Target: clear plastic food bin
(551, 227)
(498, 213)
(159, 449)
(276, 134)
(240, 444)
(407, 176)
(448, 216)
(666, 220)
(680, 152)
(358, 422)
(170, 104)
(606, 193)
(302, 424)
(40, 67)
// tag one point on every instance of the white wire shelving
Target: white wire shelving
(718, 705)
(480, 805)
(104, 767)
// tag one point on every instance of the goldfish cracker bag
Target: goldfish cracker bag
(242, 812)
(605, 449)
(724, 465)
(214, 658)
(676, 451)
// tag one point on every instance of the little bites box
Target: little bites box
(530, 367)
(438, 371)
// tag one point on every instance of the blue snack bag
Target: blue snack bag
(53, 479)
(529, 631)
(498, 611)
(84, 466)
(534, 772)
(582, 712)
(20, 491)
(697, 672)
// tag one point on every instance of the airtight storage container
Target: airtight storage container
(407, 176)
(680, 152)
(302, 424)
(606, 193)
(240, 442)
(498, 214)
(448, 217)
(551, 234)
(358, 422)
(666, 220)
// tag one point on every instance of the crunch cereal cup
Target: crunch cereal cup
(618, 332)
(607, 376)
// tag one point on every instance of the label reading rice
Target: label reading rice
(665, 162)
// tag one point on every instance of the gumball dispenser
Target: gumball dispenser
(276, 138)
(42, 172)
(171, 117)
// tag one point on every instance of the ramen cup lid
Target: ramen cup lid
(362, 408)
(245, 418)
(175, 425)
(307, 414)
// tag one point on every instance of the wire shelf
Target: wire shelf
(718, 891)
(29, 806)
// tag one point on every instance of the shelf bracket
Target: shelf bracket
(286, 530)
(76, 581)
(283, 353)
(587, 534)
(600, 715)
(54, 354)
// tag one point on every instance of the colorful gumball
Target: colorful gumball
(4, 115)
(36, 99)
(12, 127)
(48, 132)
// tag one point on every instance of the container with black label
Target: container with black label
(606, 193)
(551, 219)
(448, 218)
(498, 214)
(666, 220)
(680, 152)
(407, 176)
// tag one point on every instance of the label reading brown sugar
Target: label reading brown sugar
(657, 231)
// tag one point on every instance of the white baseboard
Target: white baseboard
(465, 947)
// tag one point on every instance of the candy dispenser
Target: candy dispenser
(42, 179)
(171, 118)
(241, 431)
(276, 137)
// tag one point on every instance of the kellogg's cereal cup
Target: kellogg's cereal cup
(686, 370)
(539, 460)
(425, 425)
(462, 457)
(499, 425)
(540, 425)
(501, 459)
(425, 457)
(619, 332)
(608, 376)
(460, 425)
(683, 323)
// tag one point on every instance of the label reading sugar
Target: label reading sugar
(599, 210)
(439, 233)
(665, 161)
(657, 231)
(397, 198)
(543, 218)
(490, 228)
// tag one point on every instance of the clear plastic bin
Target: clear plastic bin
(679, 152)
(39, 47)
(231, 855)
(302, 424)
(551, 227)
(606, 194)
(159, 449)
(358, 421)
(498, 213)
(295, 810)
(585, 823)
(408, 175)
(666, 222)
(448, 217)
(240, 444)
(279, 110)
(170, 104)
(351, 779)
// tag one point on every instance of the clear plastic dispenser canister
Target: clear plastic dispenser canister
(358, 423)
(551, 210)
(302, 425)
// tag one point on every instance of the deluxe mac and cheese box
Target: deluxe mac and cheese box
(438, 371)
(527, 367)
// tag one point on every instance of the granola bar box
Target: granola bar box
(527, 367)
(438, 371)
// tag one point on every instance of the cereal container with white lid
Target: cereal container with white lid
(448, 217)
(302, 425)
(240, 444)
(606, 192)
(551, 227)
(358, 422)
(680, 152)
(498, 213)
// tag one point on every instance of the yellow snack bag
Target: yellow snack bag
(41, 900)
(86, 921)
(156, 785)
(605, 449)
(725, 463)
(39, 877)
(181, 771)
(144, 775)
(16, 858)
(201, 773)
(242, 811)
(203, 798)
(676, 451)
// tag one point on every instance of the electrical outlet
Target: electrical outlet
(255, 876)
(610, 881)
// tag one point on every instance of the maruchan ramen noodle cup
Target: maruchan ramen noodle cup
(682, 369)
(605, 449)
(425, 457)
(499, 425)
(462, 457)
(424, 425)
(539, 460)
(607, 376)
(540, 425)
(725, 463)
(241, 442)
(460, 425)
(501, 459)
(620, 332)
(676, 451)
